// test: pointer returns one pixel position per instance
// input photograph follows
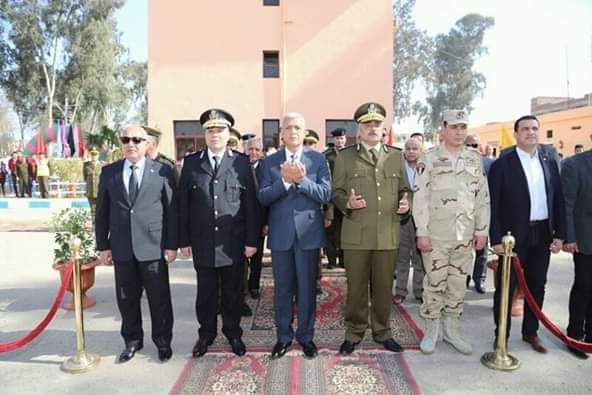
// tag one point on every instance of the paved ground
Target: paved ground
(28, 284)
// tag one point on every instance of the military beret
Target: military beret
(311, 136)
(454, 117)
(338, 132)
(216, 118)
(370, 112)
(151, 131)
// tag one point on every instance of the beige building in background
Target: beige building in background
(563, 129)
(260, 58)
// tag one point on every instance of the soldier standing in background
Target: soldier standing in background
(370, 189)
(91, 171)
(333, 217)
(451, 212)
(153, 153)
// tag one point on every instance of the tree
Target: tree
(453, 83)
(412, 50)
(7, 138)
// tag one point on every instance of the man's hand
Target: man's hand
(571, 247)
(403, 205)
(170, 255)
(186, 251)
(265, 230)
(479, 242)
(355, 202)
(556, 245)
(499, 249)
(424, 244)
(250, 251)
(106, 258)
(299, 172)
(327, 222)
(287, 173)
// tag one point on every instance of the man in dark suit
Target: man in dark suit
(136, 229)
(254, 148)
(526, 199)
(218, 226)
(295, 183)
(576, 179)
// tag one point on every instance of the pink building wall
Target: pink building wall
(334, 55)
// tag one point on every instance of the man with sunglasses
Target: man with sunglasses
(136, 230)
(220, 228)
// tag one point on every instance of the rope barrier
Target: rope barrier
(554, 329)
(29, 337)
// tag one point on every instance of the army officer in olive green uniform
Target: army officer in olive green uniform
(91, 171)
(154, 154)
(370, 189)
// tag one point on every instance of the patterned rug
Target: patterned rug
(363, 373)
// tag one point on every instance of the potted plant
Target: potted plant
(68, 224)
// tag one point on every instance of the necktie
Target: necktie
(292, 158)
(374, 156)
(216, 164)
(133, 184)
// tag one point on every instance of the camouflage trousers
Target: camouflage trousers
(444, 284)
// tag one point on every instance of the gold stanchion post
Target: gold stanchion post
(500, 359)
(82, 361)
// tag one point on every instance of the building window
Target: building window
(189, 137)
(349, 125)
(271, 64)
(271, 2)
(549, 134)
(271, 133)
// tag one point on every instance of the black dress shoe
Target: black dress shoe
(309, 349)
(200, 348)
(129, 351)
(280, 349)
(238, 347)
(347, 347)
(419, 299)
(246, 310)
(255, 294)
(480, 286)
(392, 345)
(577, 353)
(165, 353)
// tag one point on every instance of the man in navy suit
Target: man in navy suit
(527, 200)
(295, 183)
(136, 228)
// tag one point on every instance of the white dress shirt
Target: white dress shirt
(410, 175)
(127, 172)
(535, 177)
(211, 156)
(290, 157)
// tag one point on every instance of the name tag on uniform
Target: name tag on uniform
(444, 162)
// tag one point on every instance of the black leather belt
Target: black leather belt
(538, 222)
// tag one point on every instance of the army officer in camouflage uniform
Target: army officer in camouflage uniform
(451, 212)
(369, 188)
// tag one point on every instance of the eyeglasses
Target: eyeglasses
(473, 145)
(136, 140)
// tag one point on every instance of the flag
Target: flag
(40, 144)
(59, 144)
(81, 144)
(505, 139)
(71, 142)
(389, 139)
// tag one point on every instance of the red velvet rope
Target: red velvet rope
(554, 329)
(29, 337)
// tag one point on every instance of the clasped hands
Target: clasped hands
(292, 172)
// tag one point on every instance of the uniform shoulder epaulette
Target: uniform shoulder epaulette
(349, 147)
(393, 147)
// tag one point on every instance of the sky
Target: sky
(526, 58)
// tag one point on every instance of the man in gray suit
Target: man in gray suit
(295, 183)
(576, 179)
(136, 229)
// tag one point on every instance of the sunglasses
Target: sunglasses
(472, 145)
(136, 140)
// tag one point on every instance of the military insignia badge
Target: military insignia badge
(420, 168)
(460, 115)
(213, 114)
(372, 108)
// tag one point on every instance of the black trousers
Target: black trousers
(580, 298)
(223, 285)
(14, 179)
(480, 268)
(332, 244)
(535, 262)
(153, 276)
(255, 263)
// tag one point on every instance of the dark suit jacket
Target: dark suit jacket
(576, 178)
(218, 213)
(295, 212)
(145, 228)
(510, 199)
(261, 209)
